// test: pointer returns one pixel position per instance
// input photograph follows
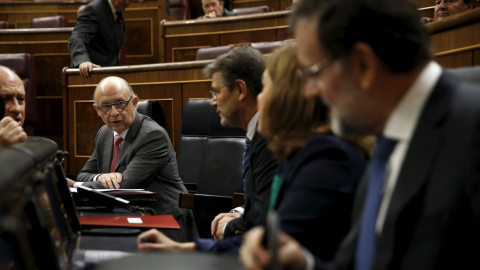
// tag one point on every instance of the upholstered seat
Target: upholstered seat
(49, 22)
(179, 9)
(268, 47)
(212, 52)
(4, 25)
(152, 109)
(24, 66)
(252, 10)
(210, 156)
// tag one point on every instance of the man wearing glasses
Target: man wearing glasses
(133, 151)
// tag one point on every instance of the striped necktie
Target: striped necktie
(246, 164)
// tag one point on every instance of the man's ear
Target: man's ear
(241, 87)
(222, 4)
(134, 102)
(364, 65)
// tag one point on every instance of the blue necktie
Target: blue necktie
(246, 164)
(367, 238)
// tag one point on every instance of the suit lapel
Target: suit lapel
(129, 139)
(417, 164)
(108, 151)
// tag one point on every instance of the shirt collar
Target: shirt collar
(403, 120)
(114, 10)
(252, 126)
(123, 134)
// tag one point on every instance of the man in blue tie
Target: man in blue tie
(236, 82)
(418, 206)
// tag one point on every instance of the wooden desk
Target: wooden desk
(455, 40)
(180, 40)
(171, 84)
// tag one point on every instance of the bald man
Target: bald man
(133, 151)
(12, 97)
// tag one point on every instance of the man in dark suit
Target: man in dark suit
(236, 82)
(424, 212)
(133, 151)
(98, 36)
(215, 9)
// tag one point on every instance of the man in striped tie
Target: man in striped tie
(236, 82)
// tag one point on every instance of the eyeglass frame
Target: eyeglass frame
(214, 94)
(114, 104)
(313, 71)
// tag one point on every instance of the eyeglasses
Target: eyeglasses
(120, 105)
(214, 94)
(311, 72)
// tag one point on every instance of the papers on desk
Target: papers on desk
(74, 190)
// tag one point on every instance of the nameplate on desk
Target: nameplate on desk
(156, 221)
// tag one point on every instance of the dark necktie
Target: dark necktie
(367, 238)
(119, 24)
(246, 164)
(116, 151)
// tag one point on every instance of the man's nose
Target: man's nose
(213, 102)
(442, 4)
(114, 111)
(312, 90)
(15, 106)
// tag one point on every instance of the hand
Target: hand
(210, 15)
(70, 182)
(254, 256)
(11, 132)
(219, 223)
(86, 67)
(155, 240)
(110, 180)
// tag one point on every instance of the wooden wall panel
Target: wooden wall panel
(180, 38)
(462, 59)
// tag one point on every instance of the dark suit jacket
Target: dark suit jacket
(262, 169)
(147, 160)
(434, 216)
(225, 13)
(315, 199)
(94, 38)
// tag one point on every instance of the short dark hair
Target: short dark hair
(392, 28)
(242, 62)
(306, 9)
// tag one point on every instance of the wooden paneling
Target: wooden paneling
(454, 39)
(171, 84)
(50, 48)
(180, 39)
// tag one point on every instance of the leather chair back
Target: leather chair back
(212, 52)
(252, 10)
(152, 109)
(49, 22)
(208, 154)
(471, 74)
(267, 47)
(4, 25)
(24, 66)
(179, 9)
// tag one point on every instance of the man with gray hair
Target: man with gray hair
(133, 151)
(447, 8)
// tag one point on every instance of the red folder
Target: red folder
(156, 221)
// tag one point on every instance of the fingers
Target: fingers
(252, 253)
(214, 224)
(86, 68)
(70, 182)
(11, 132)
(156, 240)
(110, 180)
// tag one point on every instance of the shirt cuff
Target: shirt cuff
(310, 261)
(77, 184)
(95, 177)
(238, 209)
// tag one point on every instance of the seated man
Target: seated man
(12, 102)
(214, 9)
(447, 8)
(133, 151)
